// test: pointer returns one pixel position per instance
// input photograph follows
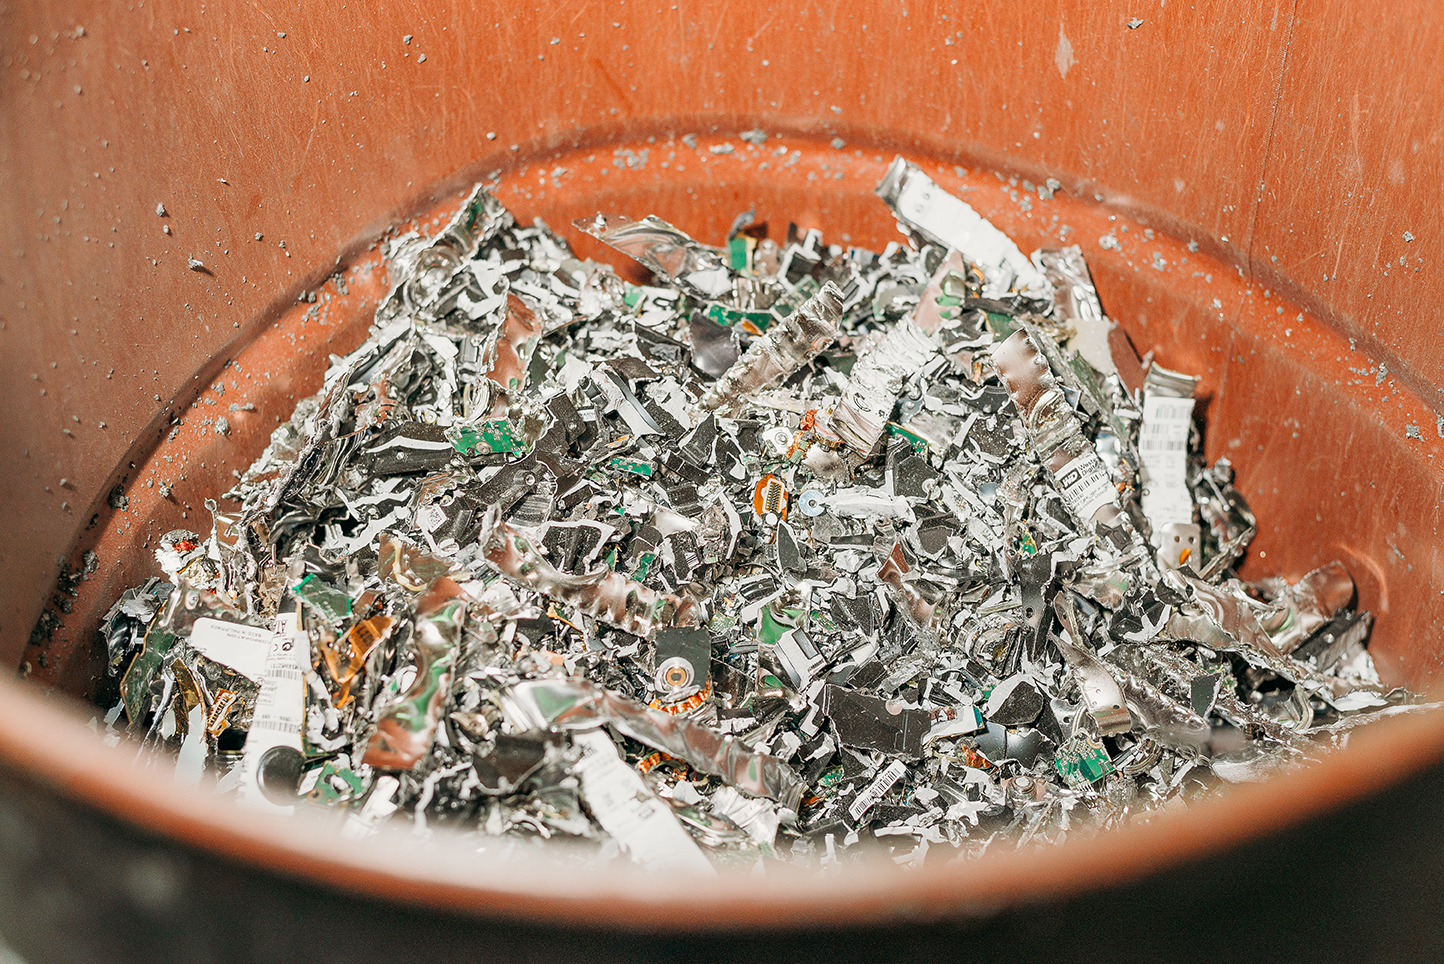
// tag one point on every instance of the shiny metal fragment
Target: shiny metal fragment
(786, 347)
(510, 350)
(1101, 692)
(665, 250)
(1220, 618)
(1299, 610)
(426, 269)
(407, 719)
(602, 594)
(576, 704)
(1076, 304)
(938, 216)
(1055, 431)
(873, 386)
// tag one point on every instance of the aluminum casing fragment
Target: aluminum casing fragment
(614, 599)
(1054, 430)
(575, 704)
(1100, 691)
(663, 249)
(924, 207)
(1076, 304)
(784, 349)
(874, 384)
(407, 719)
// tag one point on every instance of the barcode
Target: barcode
(1170, 412)
(276, 724)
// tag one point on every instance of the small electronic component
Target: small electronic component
(769, 500)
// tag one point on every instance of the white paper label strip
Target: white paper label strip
(627, 809)
(1085, 484)
(1163, 452)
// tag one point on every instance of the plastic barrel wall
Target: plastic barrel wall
(1267, 177)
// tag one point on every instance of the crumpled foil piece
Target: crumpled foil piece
(665, 250)
(784, 349)
(576, 704)
(602, 594)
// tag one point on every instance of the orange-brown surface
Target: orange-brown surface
(1297, 144)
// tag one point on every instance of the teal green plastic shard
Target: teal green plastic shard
(737, 253)
(499, 436)
(644, 566)
(920, 445)
(770, 628)
(634, 466)
(331, 603)
(336, 785)
(1002, 325)
(632, 297)
(1081, 760)
(731, 317)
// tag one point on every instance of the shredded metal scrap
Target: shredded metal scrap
(804, 548)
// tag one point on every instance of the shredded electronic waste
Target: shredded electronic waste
(798, 552)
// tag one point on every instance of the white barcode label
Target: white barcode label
(1085, 484)
(242, 648)
(280, 709)
(1163, 452)
(875, 790)
(627, 809)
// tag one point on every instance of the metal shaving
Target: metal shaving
(803, 551)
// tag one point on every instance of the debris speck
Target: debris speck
(160, 211)
(195, 264)
(1135, 23)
